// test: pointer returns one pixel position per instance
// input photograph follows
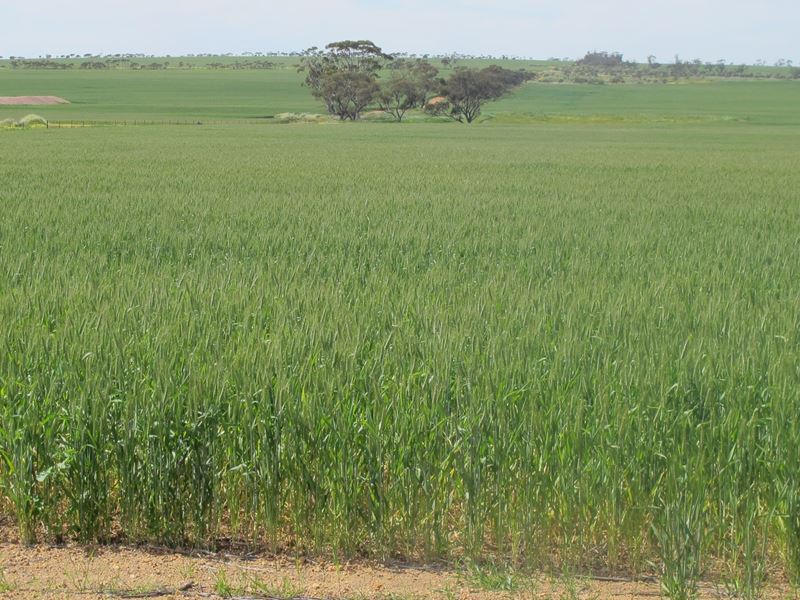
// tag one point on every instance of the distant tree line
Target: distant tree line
(118, 62)
(610, 67)
(346, 77)
(38, 64)
(243, 65)
(597, 67)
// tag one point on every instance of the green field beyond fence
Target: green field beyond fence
(215, 95)
(571, 340)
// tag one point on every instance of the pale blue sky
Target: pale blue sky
(708, 29)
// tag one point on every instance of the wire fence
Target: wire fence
(74, 123)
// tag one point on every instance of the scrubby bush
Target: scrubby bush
(291, 117)
(33, 121)
(26, 121)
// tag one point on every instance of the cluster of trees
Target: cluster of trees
(87, 64)
(467, 90)
(123, 64)
(17, 63)
(346, 77)
(94, 64)
(601, 59)
(241, 65)
(610, 67)
(126, 63)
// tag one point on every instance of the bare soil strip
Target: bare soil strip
(31, 100)
(71, 572)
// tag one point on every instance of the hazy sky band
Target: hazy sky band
(710, 30)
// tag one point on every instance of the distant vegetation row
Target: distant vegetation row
(594, 67)
(126, 63)
(610, 67)
(350, 77)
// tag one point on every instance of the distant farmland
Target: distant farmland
(565, 335)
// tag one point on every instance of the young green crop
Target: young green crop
(524, 342)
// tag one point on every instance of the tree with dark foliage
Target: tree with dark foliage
(467, 90)
(426, 78)
(408, 87)
(348, 93)
(397, 96)
(344, 74)
(602, 59)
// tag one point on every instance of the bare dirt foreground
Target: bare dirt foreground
(93, 573)
(70, 572)
(31, 100)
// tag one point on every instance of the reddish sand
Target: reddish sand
(31, 100)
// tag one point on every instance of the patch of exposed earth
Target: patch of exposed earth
(31, 100)
(70, 572)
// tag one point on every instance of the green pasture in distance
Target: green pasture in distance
(211, 94)
(172, 93)
(168, 94)
(767, 102)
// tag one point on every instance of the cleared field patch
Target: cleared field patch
(31, 100)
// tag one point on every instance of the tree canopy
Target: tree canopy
(345, 76)
(410, 85)
(467, 90)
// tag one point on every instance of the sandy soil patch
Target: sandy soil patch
(31, 100)
(93, 573)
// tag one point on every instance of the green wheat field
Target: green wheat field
(568, 334)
